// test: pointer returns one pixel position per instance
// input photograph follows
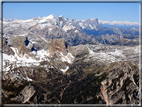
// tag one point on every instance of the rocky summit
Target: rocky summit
(55, 62)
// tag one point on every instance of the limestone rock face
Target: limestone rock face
(59, 44)
(6, 49)
(25, 95)
(121, 78)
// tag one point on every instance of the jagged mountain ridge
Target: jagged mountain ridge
(125, 42)
(74, 31)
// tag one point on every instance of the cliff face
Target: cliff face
(122, 84)
(59, 45)
(6, 49)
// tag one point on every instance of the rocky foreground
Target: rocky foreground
(42, 71)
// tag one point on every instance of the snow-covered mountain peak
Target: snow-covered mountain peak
(93, 19)
(36, 18)
(83, 20)
(61, 16)
(7, 20)
(50, 16)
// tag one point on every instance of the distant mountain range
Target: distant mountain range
(74, 31)
(119, 24)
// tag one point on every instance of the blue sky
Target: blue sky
(79, 11)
